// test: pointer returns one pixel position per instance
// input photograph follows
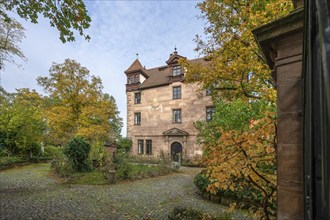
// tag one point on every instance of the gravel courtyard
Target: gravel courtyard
(29, 193)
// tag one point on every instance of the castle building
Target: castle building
(162, 109)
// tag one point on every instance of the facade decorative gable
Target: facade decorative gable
(175, 132)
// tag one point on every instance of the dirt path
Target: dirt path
(28, 193)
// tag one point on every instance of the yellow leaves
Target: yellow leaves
(77, 105)
(232, 207)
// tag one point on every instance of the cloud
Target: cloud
(119, 30)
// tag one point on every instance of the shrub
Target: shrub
(77, 151)
(192, 162)
(202, 181)
(62, 167)
(123, 168)
(53, 152)
(7, 161)
(124, 144)
(98, 155)
(164, 160)
(175, 165)
(180, 213)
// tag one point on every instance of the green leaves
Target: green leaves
(22, 123)
(77, 151)
(66, 15)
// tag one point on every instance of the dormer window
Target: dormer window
(129, 80)
(176, 71)
(136, 78)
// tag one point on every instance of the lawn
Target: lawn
(136, 172)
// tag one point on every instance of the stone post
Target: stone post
(111, 148)
(282, 42)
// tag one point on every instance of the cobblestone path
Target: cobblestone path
(29, 193)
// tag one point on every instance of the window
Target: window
(176, 115)
(176, 71)
(177, 92)
(137, 98)
(149, 147)
(137, 118)
(209, 113)
(136, 78)
(129, 80)
(208, 92)
(140, 147)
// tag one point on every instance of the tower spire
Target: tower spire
(175, 50)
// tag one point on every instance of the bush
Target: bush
(124, 145)
(175, 165)
(123, 168)
(180, 213)
(77, 151)
(62, 167)
(98, 155)
(53, 152)
(192, 162)
(8, 161)
(202, 181)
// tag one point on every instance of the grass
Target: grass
(6, 162)
(95, 177)
(98, 177)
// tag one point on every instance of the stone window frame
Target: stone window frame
(209, 110)
(137, 118)
(177, 94)
(176, 70)
(140, 147)
(177, 120)
(137, 98)
(148, 147)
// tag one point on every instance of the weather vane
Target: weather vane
(137, 55)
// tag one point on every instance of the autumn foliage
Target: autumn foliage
(240, 141)
(76, 105)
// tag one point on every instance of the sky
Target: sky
(119, 30)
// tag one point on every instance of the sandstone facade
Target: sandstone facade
(152, 110)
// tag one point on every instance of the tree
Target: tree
(239, 151)
(237, 67)
(66, 15)
(22, 123)
(11, 33)
(76, 105)
(239, 142)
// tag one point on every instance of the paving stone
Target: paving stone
(29, 193)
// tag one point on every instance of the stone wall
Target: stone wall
(157, 117)
(282, 44)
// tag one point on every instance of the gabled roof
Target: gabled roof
(174, 58)
(175, 132)
(160, 76)
(136, 66)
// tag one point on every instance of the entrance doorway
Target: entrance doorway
(176, 151)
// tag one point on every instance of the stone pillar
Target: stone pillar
(282, 42)
(184, 150)
(167, 145)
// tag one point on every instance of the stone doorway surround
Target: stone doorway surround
(176, 135)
